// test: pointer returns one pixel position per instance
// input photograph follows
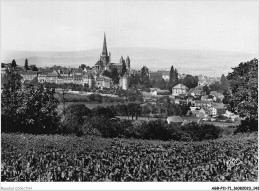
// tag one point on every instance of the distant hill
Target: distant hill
(211, 63)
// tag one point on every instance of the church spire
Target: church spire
(104, 51)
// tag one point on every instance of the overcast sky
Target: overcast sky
(80, 25)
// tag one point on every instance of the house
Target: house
(88, 79)
(217, 109)
(155, 76)
(202, 83)
(174, 119)
(195, 92)
(28, 75)
(157, 91)
(166, 75)
(199, 113)
(103, 82)
(194, 108)
(42, 77)
(179, 100)
(216, 95)
(206, 98)
(231, 115)
(203, 104)
(195, 112)
(52, 77)
(179, 89)
(190, 99)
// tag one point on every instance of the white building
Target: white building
(123, 82)
(179, 89)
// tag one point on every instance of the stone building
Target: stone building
(104, 62)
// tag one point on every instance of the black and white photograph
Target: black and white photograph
(127, 94)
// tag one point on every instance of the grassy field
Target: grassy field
(69, 158)
(92, 105)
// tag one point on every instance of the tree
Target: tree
(74, 118)
(224, 84)
(13, 65)
(11, 100)
(134, 79)
(39, 110)
(160, 84)
(30, 109)
(215, 86)
(82, 66)
(115, 76)
(244, 88)
(206, 89)
(63, 99)
(26, 66)
(176, 79)
(171, 80)
(190, 81)
(33, 68)
(144, 78)
(107, 73)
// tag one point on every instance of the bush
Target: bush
(107, 112)
(155, 130)
(201, 132)
(247, 126)
(73, 119)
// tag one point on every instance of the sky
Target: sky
(80, 25)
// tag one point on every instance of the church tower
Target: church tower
(104, 57)
(104, 51)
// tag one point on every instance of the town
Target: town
(202, 97)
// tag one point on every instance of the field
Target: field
(92, 105)
(69, 158)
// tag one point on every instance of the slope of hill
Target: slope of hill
(212, 63)
(233, 159)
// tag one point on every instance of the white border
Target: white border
(125, 185)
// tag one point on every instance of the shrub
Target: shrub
(155, 130)
(247, 126)
(201, 132)
(107, 112)
(73, 119)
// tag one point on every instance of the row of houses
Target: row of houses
(196, 98)
(67, 76)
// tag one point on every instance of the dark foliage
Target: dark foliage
(247, 126)
(244, 97)
(190, 81)
(74, 118)
(30, 108)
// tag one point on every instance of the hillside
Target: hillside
(211, 63)
(70, 158)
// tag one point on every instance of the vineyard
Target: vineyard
(69, 158)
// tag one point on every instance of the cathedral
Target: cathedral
(104, 63)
